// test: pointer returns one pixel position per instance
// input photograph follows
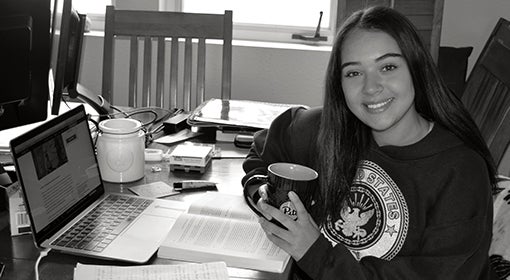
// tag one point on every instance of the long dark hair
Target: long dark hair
(343, 139)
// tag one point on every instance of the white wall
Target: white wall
(470, 22)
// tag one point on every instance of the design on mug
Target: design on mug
(289, 209)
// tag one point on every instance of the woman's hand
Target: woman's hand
(299, 235)
(263, 192)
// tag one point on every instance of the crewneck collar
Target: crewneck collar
(437, 140)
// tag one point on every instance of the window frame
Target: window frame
(247, 32)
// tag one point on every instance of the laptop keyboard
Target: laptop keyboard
(96, 230)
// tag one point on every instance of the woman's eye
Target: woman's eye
(351, 74)
(389, 67)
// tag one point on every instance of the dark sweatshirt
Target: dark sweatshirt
(422, 211)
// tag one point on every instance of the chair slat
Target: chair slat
(160, 70)
(108, 55)
(147, 68)
(227, 56)
(200, 72)
(133, 71)
(174, 68)
(188, 51)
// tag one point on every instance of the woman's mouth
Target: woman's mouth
(380, 106)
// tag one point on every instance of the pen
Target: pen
(194, 185)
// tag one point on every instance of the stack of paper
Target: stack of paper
(191, 271)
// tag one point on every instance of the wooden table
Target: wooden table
(19, 253)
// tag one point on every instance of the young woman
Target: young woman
(405, 178)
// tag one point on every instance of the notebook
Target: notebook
(66, 201)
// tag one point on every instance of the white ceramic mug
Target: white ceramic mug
(120, 150)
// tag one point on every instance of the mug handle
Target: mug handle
(250, 191)
(251, 195)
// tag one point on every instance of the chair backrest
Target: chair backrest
(487, 91)
(165, 27)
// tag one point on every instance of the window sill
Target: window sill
(253, 44)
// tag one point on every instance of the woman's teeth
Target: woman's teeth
(379, 105)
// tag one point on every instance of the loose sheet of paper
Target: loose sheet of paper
(155, 190)
(191, 271)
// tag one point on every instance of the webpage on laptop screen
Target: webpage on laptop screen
(58, 171)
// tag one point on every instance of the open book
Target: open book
(221, 227)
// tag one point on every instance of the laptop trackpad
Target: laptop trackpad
(141, 240)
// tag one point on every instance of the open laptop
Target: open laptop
(66, 201)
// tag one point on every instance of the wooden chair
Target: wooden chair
(487, 91)
(487, 98)
(163, 27)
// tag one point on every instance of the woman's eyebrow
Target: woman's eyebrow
(382, 57)
(348, 63)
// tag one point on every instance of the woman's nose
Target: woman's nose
(372, 83)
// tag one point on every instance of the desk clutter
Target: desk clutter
(223, 120)
(238, 115)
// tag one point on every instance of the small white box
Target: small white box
(191, 155)
(18, 217)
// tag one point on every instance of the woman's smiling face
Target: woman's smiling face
(377, 84)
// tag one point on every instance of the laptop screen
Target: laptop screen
(57, 169)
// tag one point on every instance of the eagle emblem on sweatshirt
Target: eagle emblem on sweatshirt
(353, 221)
(376, 218)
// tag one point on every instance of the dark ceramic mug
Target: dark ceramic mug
(281, 178)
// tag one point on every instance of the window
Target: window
(261, 20)
(268, 20)
(91, 7)
(94, 9)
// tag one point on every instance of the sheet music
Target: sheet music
(188, 271)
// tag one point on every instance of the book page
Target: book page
(221, 227)
(240, 238)
(206, 271)
(222, 205)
